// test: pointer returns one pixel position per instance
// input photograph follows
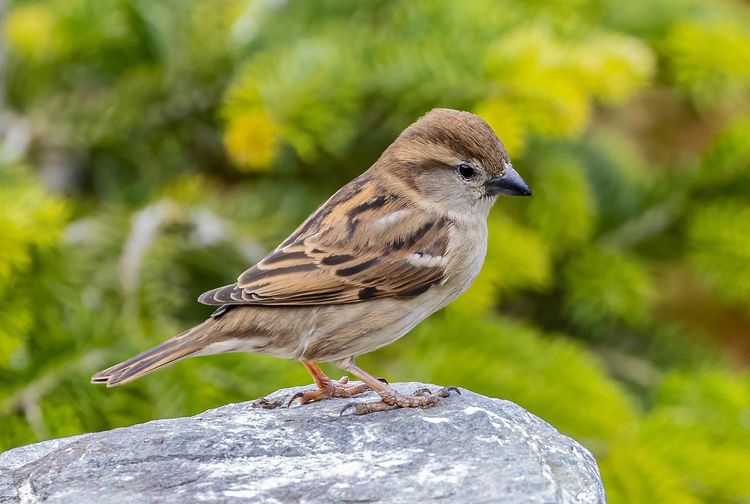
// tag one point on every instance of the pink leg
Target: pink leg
(326, 387)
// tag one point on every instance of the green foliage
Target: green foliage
(719, 240)
(563, 195)
(710, 61)
(151, 150)
(727, 161)
(549, 81)
(550, 375)
(632, 474)
(31, 225)
(699, 434)
(604, 285)
(525, 264)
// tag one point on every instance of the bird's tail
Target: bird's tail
(183, 345)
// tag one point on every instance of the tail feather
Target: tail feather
(183, 345)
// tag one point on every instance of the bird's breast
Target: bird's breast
(466, 252)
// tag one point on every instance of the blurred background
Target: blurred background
(151, 150)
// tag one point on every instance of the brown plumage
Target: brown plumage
(388, 249)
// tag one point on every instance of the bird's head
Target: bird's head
(453, 159)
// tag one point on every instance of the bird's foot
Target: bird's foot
(421, 398)
(329, 388)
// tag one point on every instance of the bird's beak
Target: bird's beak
(510, 183)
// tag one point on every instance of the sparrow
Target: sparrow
(388, 249)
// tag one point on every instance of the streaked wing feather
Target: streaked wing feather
(363, 243)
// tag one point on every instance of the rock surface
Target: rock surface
(470, 449)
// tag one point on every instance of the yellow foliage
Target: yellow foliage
(30, 224)
(711, 61)
(545, 84)
(189, 188)
(30, 30)
(30, 219)
(611, 66)
(517, 257)
(531, 67)
(251, 139)
(479, 299)
(15, 322)
(506, 121)
(632, 474)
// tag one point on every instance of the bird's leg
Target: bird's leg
(422, 398)
(327, 387)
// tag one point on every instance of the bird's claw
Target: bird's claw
(348, 406)
(421, 398)
(266, 403)
(363, 408)
(294, 398)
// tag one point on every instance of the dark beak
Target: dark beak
(510, 183)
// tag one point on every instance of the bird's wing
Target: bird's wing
(363, 243)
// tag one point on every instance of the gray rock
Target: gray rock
(470, 448)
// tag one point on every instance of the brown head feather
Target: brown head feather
(442, 136)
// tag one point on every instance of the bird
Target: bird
(388, 249)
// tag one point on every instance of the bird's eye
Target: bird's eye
(466, 171)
